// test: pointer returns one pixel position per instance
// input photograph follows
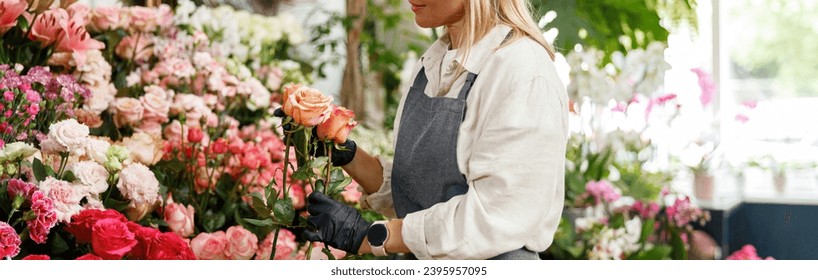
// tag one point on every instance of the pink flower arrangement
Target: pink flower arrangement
(748, 252)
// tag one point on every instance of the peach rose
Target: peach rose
(143, 19)
(156, 104)
(138, 48)
(144, 148)
(128, 111)
(209, 246)
(338, 126)
(307, 106)
(106, 18)
(241, 243)
(179, 219)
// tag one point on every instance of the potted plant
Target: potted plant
(701, 159)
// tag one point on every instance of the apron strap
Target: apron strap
(421, 80)
(464, 91)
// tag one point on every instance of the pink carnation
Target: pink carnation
(65, 195)
(46, 217)
(9, 241)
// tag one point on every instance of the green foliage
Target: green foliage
(614, 25)
(584, 165)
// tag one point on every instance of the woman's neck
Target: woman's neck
(454, 31)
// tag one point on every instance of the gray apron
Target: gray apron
(424, 170)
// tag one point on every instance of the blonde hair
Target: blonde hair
(482, 15)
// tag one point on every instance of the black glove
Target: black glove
(337, 224)
(340, 157)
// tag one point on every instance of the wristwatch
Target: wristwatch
(377, 236)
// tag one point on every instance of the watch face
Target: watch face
(376, 235)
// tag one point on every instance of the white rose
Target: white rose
(92, 175)
(70, 135)
(138, 184)
(144, 148)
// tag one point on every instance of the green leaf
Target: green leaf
(319, 162)
(659, 252)
(679, 252)
(115, 204)
(258, 205)
(69, 176)
(283, 211)
(260, 223)
(58, 244)
(39, 170)
(213, 221)
(647, 229)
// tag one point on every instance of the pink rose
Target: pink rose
(285, 246)
(338, 126)
(106, 18)
(351, 193)
(9, 241)
(241, 243)
(138, 184)
(173, 131)
(180, 219)
(111, 239)
(137, 48)
(307, 106)
(128, 111)
(143, 19)
(10, 10)
(144, 148)
(209, 246)
(48, 27)
(65, 195)
(150, 127)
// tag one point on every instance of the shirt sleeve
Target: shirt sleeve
(381, 201)
(515, 173)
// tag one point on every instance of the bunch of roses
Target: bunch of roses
(94, 161)
(237, 243)
(42, 214)
(309, 107)
(31, 102)
(113, 237)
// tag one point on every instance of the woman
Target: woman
(479, 150)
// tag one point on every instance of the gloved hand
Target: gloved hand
(340, 157)
(338, 224)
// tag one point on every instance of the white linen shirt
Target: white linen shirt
(511, 148)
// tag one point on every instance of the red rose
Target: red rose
(194, 135)
(89, 257)
(37, 258)
(82, 223)
(219, 146)
(144, 236)
(111, 239)
(169, 246)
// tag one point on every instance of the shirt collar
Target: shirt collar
(478, 54)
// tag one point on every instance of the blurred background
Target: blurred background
(709, 99)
